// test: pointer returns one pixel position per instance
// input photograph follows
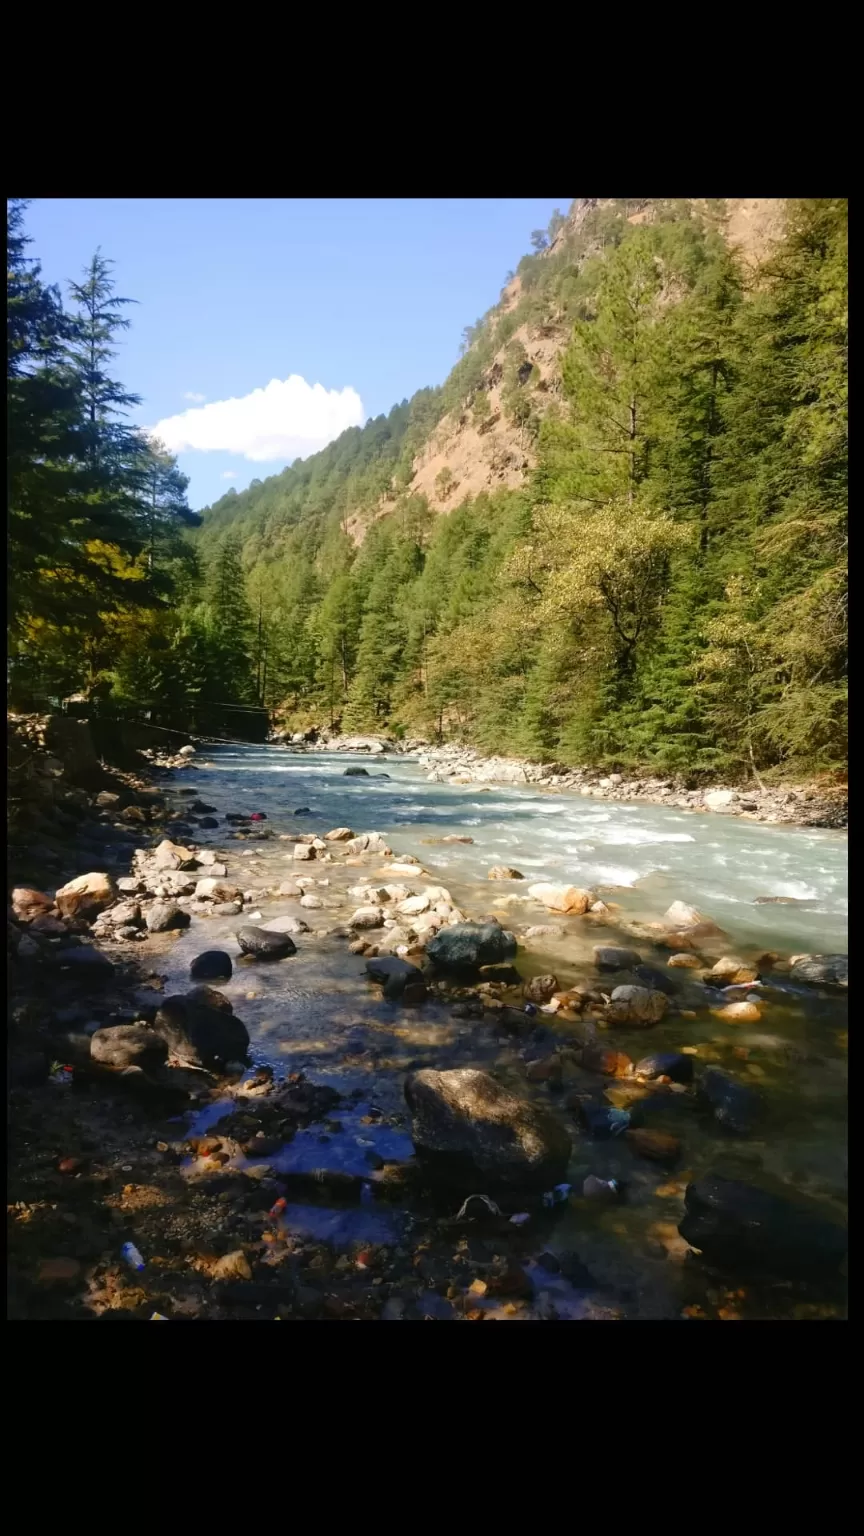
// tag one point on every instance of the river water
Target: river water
(318, 1013)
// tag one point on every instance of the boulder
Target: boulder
(685, 962)
(86, 896)
(657, 980)
(211, 998)
(165, 916)
(467, 946)
(356, 773)
(737, 1224)
(412, 906)
(128, 1045)
(504, 872)
(285, 925)
(211, 965)
(671, 1064)
(636, 1005)
(736, 1106)
(820, 970)
(126, 914)
(187, 751)
(265, 945)
(540, 988)
(213, 889)
(310, 900)
(367, 842)
(469, 1130)
(338, 835)
(729, 968)
(289, 888)
(544, 931)
(366, 917)
(28, 903)
(719, 799)
(303, 852)
(609, 957)
(199, 1035)
(83, 960)
(394, 975)
(168, 855)
(682, 917)
(561, 898)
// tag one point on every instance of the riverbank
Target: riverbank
(294, 1190)
(815, 804)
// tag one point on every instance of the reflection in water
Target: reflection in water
(316, 1012)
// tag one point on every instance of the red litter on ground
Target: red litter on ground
(257, 816)
(280, 1206)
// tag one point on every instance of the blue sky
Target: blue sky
(365, 298)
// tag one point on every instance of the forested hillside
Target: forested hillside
(616, 535)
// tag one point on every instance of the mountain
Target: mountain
(615, 534)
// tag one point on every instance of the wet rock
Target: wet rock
(211, 965)
(128, 1045)
(688, 919)
(28, 903)
(602, 1121)
(738, 1224)
(289, 888)
(227, 908)
(544, 931)
(199, 1035)
(513, 1021)
(739, 1013)
(611, 1063)
(356, 773)
(685, 962)
(169, 855)
(210, 998)
(264, 945)
(609, 957)
(412, 995)
(303, 852)
(86, 896)
(208, 822)
(285, 925)
(467, 946)
(213, 888)
(736, 1106)
(303, 810)
(504, 872)
(640, 1006)
(466, 1127)
(651, 976)
(547, 1069)
(561, 898)
(367, 917)
(126, 914)
(540, 988)
(338, 835)
(164, 916)
(731, 969)
(656, 1146)
(310, 900)
(85, 961)
(412, 906)
(393, 974)
(820, 970)
(678, 1068)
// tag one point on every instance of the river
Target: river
(317, 1012)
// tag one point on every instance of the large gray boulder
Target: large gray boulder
(469, 1130)
(821, 970)
(738, 1224)
(466, 946)
(128, 1045)
(264, 945)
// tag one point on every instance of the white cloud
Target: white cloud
(196, 399)
(228, 474)
(286, 420)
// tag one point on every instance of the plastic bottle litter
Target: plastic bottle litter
(131, 1256)
(557, 1196)
(277, 1209)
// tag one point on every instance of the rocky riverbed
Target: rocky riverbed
(818, 804)
(308, 1078)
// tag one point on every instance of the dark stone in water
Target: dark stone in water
(200, 1035)
(303, 810)
(394, 974)
(736, 1106)
(356, 773)
(602, 1121)
(265, 945)
(666, 1064)
(208, 822)
(198, 808)
(651, 976)
(85, 961)
(738, 1224)
(822, 970)
(467, 946)
(470, 1131)
(212, 965)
